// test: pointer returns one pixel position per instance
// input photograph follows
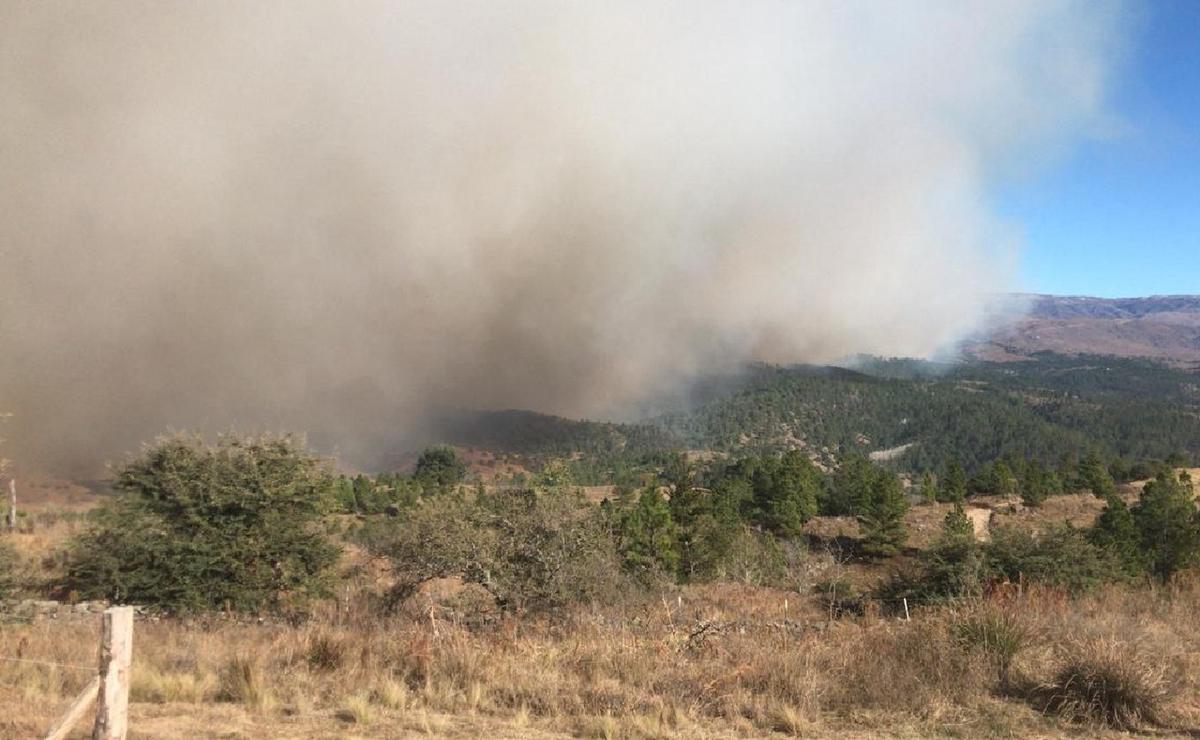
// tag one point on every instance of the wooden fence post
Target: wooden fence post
(12, 504)
(116, 653)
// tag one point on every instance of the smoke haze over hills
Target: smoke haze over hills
(337, 217)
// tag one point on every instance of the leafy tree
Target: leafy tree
(200, 526)
(554, 474)
(440, 467)
(529, 550)
(1167, 526)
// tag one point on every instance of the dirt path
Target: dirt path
(981, 519)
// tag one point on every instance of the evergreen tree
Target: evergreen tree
(881, 516)
(956, 527)
(1116, 532)
(953, 486)
(1005, 480)
(849, 488)
(1093, 473)
(1036, 486)
(234, 524)
(649, 536)
(791, 494)
(1167, 526)
(929, 490)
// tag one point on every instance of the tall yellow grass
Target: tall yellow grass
(634, 671)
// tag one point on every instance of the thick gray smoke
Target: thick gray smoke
(334, 216)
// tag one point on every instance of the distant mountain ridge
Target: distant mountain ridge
(1084, 307)
(1164, 328)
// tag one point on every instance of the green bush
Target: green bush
(440, 468)
(1060, 556)
(9, 563)
(530, 550)
(200, 526)
(957, 566)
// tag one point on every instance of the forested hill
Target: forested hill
(544, 436)
(1046, 408)
(1043, 408)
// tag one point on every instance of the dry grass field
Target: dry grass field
(717, 661)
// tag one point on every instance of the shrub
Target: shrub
(9, 563)
(529, 550)
(757, 558)
(838, 597)
(954, 567)
(209, 526)
(1109, 682)
(1060, 556)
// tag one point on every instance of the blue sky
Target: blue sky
(1120, 216)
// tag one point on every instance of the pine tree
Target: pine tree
(1116, 532)
(1167, 526)
(953, 486)
(1095, 477)
(956, 527)
(791, 497)
(953, 567)
(882, 516)
(649, 535)
(1036, 487)
(929, 490)
(1005, 481)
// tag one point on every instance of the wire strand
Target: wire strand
(51, 663)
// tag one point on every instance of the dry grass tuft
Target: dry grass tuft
(998, 633)
(1110, 682)
(156, 686)
(242, 682)
(357, 710)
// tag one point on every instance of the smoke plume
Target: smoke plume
(335, 217)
